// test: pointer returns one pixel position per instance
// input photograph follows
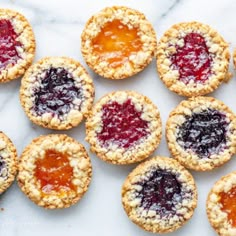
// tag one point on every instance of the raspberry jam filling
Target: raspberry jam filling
(228, 203)
(193, 60)
(122, 125)
(8, 44)
(3, 168)
(204, 133)
(116, 42)
(160, 193)
(56, 93)
(54, 172)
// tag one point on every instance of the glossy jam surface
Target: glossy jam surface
(8, 44)
(54, 172)
(204, 133)
(122, 124)
(2, 167)
(193, 60)
(116, 43)
(160, 193)
(56, 93)
(228, 202)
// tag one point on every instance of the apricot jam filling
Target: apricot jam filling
(54, 172)
(228, 202)
(116, 42)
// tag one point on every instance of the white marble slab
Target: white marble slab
(57, 25)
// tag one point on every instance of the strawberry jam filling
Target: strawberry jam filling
(193, 60)
(54, 172)
(122, 125)
(116, 42)
(8, 44)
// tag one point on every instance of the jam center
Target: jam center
(193, 60)
(228, 202)
(122, 124)
(160, 193)
(8, 44)
(3, 168)
(116, 43)
(56, 93)
(54, 172)
(204, 133)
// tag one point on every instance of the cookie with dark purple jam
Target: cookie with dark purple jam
(123, 127)
(201, 133)
(57, 93)
(159, 195)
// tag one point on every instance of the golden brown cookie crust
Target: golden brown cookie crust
(26, 51)
(187, 158)
(81, 107)
(148, 219)
(217, 46)
(218, 218)
(130, 17)
(8, 155)
(119, 155)
(79, 161)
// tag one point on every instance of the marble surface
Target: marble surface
(58, 25)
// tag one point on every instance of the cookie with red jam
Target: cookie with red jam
(123, 127)
(159, 195)
(201, 133)
(56, 93)
(17, 45)
(54, 171)
(118, 42)
(8, 162)
(192, 59)
(221, 205)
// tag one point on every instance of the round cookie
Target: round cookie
(118, 42)
(201, 133)
(56, 93)
(159, 195)
(192, 59)
(54, 171)
(8, 162)
(17, 45)
(123, 127)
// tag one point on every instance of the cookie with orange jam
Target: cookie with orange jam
(118, 42)
(17, 45)
(221, 205)
(54, 171)
(193, 59)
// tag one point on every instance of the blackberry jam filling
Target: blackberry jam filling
(56, 92)
(204, 133)
(2, 166)
(193, 60)
(160, 193)
(122, 124)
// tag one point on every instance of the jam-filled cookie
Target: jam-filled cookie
(123, 127)
(118, 42)
(56, 93)
(17, 45)
(192, 59)
(54, 171)
(8, 162)
(221, 205)
(159, 195)
(201, 133)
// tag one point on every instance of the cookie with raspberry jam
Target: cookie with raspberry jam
(201, 133)
(192, 59)
(123, 127)
(221, 205)
(56, 93)
(159, 195)
(17, 45)
(118, 42)
(54, 171)
(8, 162)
